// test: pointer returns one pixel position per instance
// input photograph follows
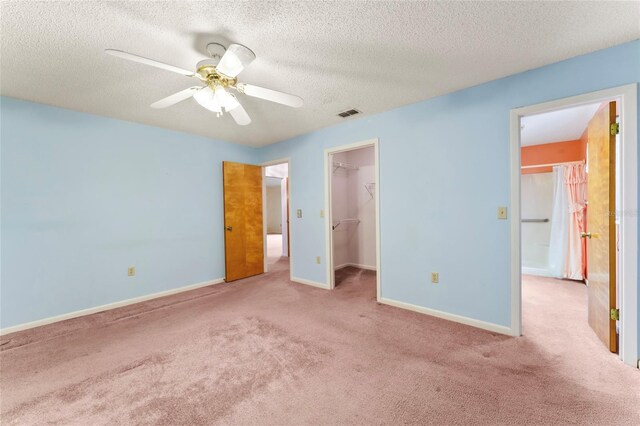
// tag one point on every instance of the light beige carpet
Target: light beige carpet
(268, 351)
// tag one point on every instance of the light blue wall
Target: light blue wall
(444, 170)
(84, 197)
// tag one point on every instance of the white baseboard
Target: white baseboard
(451, 317)
(114, 305)
(309, 282)
(356, 265)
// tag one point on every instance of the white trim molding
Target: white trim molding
(109, 306)
(628, 282)
(447, 316)
(328, 215)
(310, 283)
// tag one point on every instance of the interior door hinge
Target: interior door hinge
(615, 314)
(615, 129)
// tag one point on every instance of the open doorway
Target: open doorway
(577, 253)
(564, 192)
(353, 218)
(276, 215)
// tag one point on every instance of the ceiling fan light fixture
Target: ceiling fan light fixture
(216, 75)
(225, 99)
(232, 102)
(216, 99)
(206, 99)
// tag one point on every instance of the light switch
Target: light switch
(321, 213)
(299, 213)
(502, 212)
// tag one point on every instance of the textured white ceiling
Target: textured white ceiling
(556, 126)
(373, 56)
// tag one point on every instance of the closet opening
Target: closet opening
(353, 224)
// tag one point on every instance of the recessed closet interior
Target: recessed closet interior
(353, 213)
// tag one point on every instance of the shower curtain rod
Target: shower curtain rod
(534, 166)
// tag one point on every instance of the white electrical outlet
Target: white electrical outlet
(502, 212)
(131, 271)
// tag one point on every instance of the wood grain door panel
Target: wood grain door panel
(243, 237)
(601, 253)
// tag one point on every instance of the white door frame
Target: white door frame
(264, 210)
(328, 169)
(628, 286)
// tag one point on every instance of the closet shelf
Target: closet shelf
(371, 188)
(346, 166)
(345, 221)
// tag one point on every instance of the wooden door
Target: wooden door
(601, 253)
(243, 237)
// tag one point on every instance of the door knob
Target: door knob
(228, 228)
(588, 235)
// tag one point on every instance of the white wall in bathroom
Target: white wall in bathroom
(537, 203)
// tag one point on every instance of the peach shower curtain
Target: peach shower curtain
(575, 179)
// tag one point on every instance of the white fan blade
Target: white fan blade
(176, 97)
(270, 95)
(240, 115)
(146, 61)
(235, 59)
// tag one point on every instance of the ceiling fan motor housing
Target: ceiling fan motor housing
(207, 72)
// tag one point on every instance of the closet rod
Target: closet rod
(345, 221)
(348, 166)
(533, 166)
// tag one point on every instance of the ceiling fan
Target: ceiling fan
(218, 74)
